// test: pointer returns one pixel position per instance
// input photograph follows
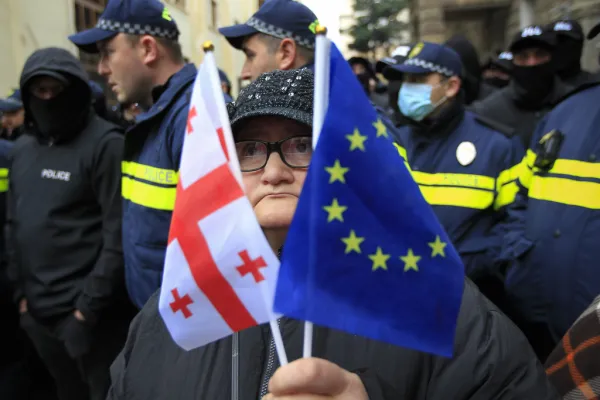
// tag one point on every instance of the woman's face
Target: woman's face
(274, 190)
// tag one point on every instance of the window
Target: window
(214, 15)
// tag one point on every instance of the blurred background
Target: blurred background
(371, 28)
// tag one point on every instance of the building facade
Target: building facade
(490, 24)
(28, 25)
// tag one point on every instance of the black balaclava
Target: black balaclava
(533, 84)
(63, 116)
(567, 57)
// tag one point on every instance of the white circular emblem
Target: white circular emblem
(465, 153)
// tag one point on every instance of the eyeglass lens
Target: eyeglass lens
(295, 151)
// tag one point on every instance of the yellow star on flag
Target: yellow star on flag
(357, 141)
(438, 247)
(381, 129)
(410, 261)
(335, 211)
(337, 172)
(352, 242)
(379, 259)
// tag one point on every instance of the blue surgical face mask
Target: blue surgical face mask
(414, 100)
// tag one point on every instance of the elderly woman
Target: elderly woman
(273, 138)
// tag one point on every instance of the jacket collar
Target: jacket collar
(441, 126)
(165, 95)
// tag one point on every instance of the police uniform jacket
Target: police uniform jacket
(466, 170)
(151, 161)
(554, 245)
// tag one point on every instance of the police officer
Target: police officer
(13, 116)
(554, 249)
(568, 51)
(464, 166)
(497, 71)
(534, 87)
(280, 35)
(143, 63)
(66, 261)
(364, 71)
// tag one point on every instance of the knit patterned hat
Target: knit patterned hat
(287, 94)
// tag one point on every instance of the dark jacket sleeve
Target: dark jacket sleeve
(484, 264)
(102, 286)
(493, 359)
(515, 242)
(118, 369)
(377, 388)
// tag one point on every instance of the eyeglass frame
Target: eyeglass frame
(273, 147)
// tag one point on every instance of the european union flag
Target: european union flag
(365, 253)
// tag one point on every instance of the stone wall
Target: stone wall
(491, 24)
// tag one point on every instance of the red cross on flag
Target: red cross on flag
(220, 272)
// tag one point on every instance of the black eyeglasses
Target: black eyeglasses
(295, 152)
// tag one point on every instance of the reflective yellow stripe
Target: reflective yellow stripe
(402, 152)
(581, 169)
(148, 195)
(446, 179)
(526, 172)
(458, 197)
(506, 195)
(566, 191)
(506, 187)
(3, 185)
(459, 190)
(149, 173)
(3, 172)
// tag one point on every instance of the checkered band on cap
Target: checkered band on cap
(136, 29)
(431, 66)
(272, 30)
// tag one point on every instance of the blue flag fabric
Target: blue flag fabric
(365, 253)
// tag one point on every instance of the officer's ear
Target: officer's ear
(149, 49)
(452, 86)
(286, 54)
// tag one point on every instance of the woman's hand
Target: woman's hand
(315, 379)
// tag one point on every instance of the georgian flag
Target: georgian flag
(220, 273)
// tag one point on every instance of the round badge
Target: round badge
(465, 153)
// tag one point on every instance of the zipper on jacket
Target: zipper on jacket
(270, 368)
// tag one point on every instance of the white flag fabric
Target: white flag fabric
(220, 272)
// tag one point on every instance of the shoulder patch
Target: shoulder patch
(495, 125)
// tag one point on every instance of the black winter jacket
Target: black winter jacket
(492, 361)
(502, 107)
(65, 209)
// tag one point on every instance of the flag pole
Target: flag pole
(321, 99)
